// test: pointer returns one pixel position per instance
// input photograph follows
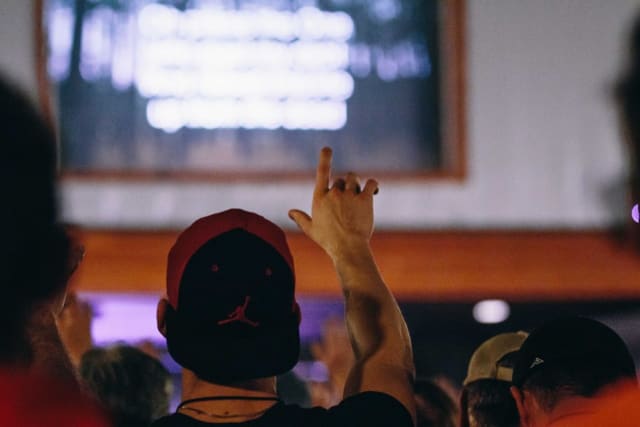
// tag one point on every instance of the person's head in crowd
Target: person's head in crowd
(628, 99)
(231, 316)
(486, 399)
(565, 363)
(628, 93)
(133, 386)
(434, 407)
(333, 350)
(36, 263)
(35, 248)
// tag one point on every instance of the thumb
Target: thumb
(301, 219)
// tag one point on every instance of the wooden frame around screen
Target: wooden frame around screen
(39, 36)
(453, 102)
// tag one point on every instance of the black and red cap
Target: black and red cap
(231, 288)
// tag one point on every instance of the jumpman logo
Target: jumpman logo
(238, 315)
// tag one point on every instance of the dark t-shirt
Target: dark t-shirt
(368, 409)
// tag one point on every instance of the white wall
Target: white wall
(543, 147)
(17, 57)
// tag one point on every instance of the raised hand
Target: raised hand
(341, 215)
(341, 222)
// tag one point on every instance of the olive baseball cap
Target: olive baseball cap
(485, 363)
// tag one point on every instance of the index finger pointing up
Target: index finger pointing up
(323, 173)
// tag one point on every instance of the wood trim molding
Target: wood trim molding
(454, 96)
(425, 266)
(42, 80)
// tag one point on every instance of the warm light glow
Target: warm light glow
(491, 311)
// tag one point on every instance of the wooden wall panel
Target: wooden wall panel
(426, 266)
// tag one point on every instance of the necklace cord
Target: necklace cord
(214, 398)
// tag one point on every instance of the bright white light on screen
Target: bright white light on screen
(60, 39)
(165, 115)
(157, 20)
(134, 47)
(123, 63)
(173, 114)
(252, 69)
(491, 311)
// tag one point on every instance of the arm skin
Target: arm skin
(342, 224)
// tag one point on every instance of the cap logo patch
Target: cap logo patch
(537, 361)
(238, 315)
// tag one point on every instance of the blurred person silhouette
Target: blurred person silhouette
(486, 399)
(334, 351)
(74, 324)
(231, 318)
(609, 396)
(628, 97)
(129, 382)
(35, 249)
(134, 387)
(434, 406)
(562, 369)
(75, 318)
(36, 400)
(38, 386)
(293, 390)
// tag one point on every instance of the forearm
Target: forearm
(342, 224)
(374, 320)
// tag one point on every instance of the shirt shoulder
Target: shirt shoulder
(371, 409)
(178, 420)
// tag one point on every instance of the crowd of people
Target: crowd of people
(231, 321)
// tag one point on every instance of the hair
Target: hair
(555, 381)
(35, 248)
(434, 407)
(488, 403)
(132, 385)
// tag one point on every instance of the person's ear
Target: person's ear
(161, 316)
(522, 410)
